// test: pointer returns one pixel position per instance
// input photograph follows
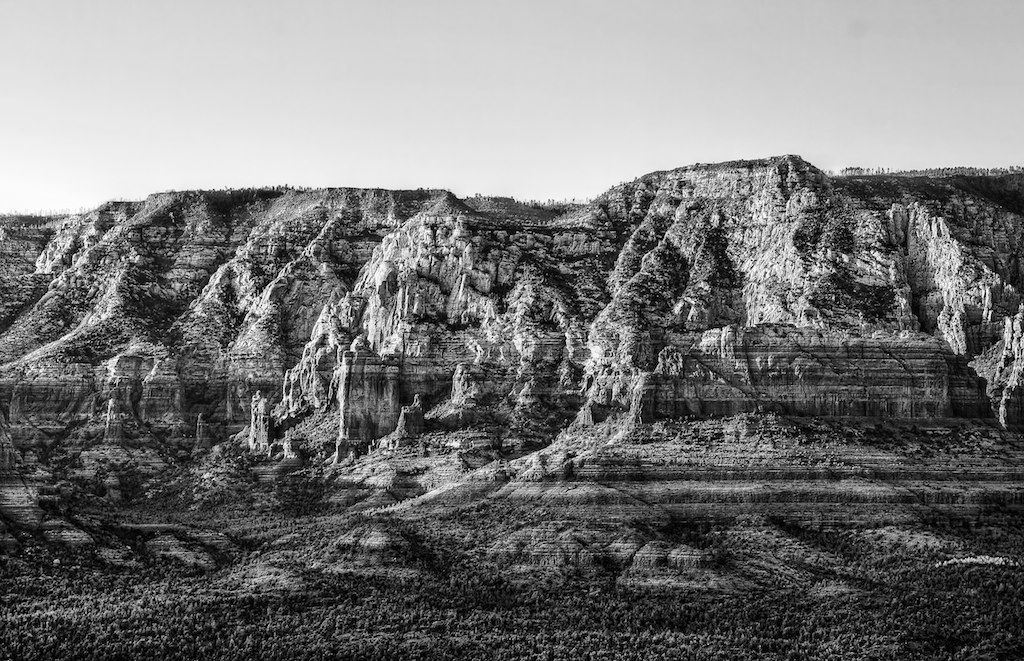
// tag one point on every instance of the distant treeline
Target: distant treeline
(550, 204)
(37, 217)
(556, 205)
(958, 171)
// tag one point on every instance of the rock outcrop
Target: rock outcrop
(203, 436)
(322, 315)
(410, 421)
(196, 300)
(368, 403)
(259, 424)
(866, 261)
(1007, 386)
(807, 371)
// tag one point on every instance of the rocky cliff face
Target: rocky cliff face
(1007, 387)
(708, 290)
(179, 306)
(872, 265)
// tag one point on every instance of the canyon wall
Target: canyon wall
(708, 290)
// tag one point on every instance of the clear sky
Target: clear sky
(533, 98)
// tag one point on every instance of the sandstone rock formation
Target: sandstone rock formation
(197, 300)
(410, 421)
(340, 317)
(112, 431)
(1008, 373)
(259, 424)
(367, 396)
(203, 436)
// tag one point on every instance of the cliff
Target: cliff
(143, 330)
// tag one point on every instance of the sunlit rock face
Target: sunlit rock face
(768, 285)
(259, 424)
(1007, 373)
(706, 290)
(182, 305)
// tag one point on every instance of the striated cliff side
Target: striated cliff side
(340, 320)
(180, 306)
(880, 266)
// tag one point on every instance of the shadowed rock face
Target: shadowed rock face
(707, 290)
(8, 455)
(367, 396)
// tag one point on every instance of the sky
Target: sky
(539, 99)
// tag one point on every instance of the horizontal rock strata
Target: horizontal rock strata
(362, 315)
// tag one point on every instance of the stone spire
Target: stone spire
(259, 424)
(410, 420)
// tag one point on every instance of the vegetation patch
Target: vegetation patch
(839, 290)
(820, 228)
